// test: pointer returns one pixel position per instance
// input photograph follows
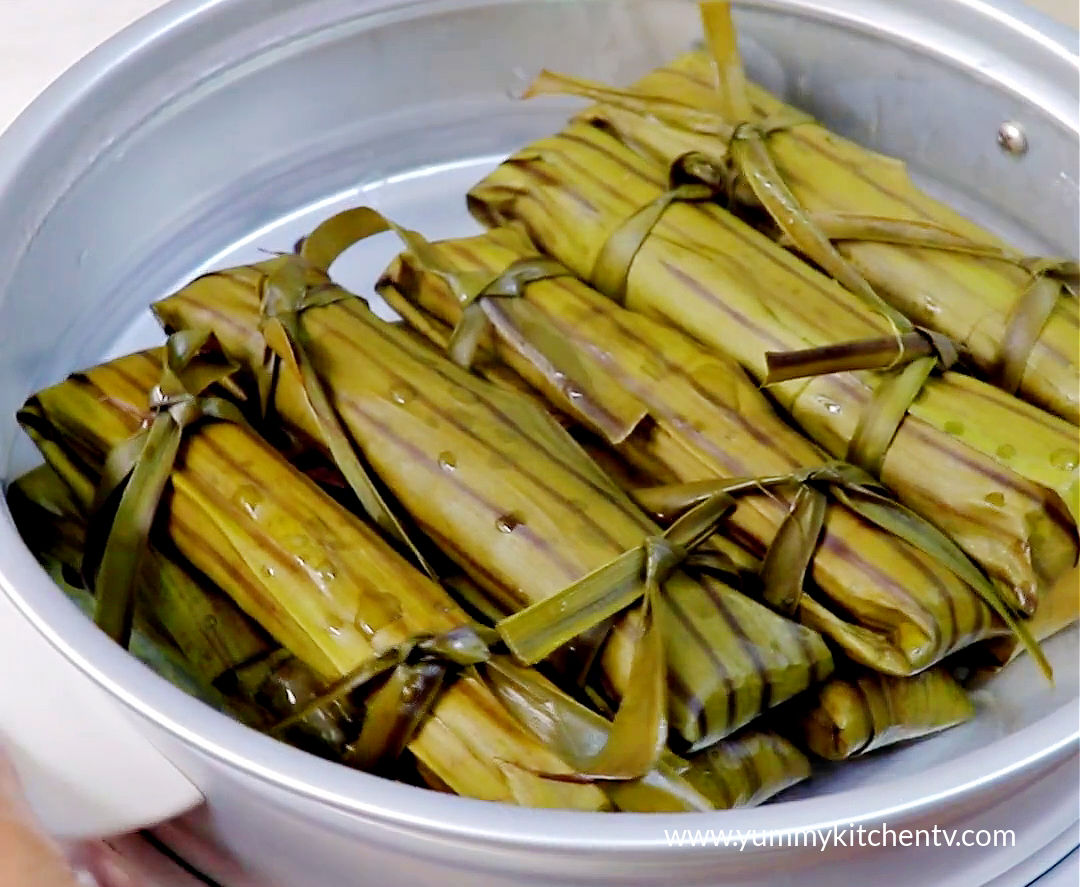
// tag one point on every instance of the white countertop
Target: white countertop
(40, 39)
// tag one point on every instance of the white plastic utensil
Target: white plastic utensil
(87, 770)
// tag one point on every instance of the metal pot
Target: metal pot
(174, 145)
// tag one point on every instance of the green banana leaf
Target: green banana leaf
(324, 585)
(927, 260)
(863, 711)
(886, 603)
(994, 473)
(500, 487)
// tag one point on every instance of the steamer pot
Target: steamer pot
(213, 128)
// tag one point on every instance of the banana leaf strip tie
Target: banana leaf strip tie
(1050, 280)
(692, 178)
(748, 155)
(786, 561)
(914, 351)
(477, 316)
(639, 731)
(612, 267)
(419, 669)
(286, 294)
(519, 322)
(137, 471)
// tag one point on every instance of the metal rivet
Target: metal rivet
(1011, 138)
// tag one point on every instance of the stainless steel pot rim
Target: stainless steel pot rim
(1037, 746)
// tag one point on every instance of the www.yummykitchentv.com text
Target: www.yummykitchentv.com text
(842, 836)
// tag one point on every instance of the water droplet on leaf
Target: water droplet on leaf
(831, 406)
(507, 523)
(249, 497)
(402, 393)
(1066, 460)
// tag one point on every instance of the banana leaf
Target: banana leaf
(743, 770)
(1058, 609)
(747, 768)
(997, 475)
(721, 552)
(864, 710)
(228, 657)
(884, 602)
(937, 267)
(44, 514)
(322, 583)
(501, 488)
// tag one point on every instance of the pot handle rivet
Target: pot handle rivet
(1012, 138)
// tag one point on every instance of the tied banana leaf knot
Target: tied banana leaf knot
(638, 734)
(885, 353)
(478, 315)
(908, 356)
(494, 298)
(788, 558)
(137, 472)
(813, 234)
(1049, 279)
(413, 675)
(753, 182)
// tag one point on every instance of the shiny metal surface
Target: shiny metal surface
(1012, 138)
(212, 129)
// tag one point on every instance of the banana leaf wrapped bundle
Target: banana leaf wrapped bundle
(997, 475)
(45, 515)
(507, 493)
(861, 711)
(322, 583)
(1015, 318)
(270, 681)
(885, 602)
(228, 660)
